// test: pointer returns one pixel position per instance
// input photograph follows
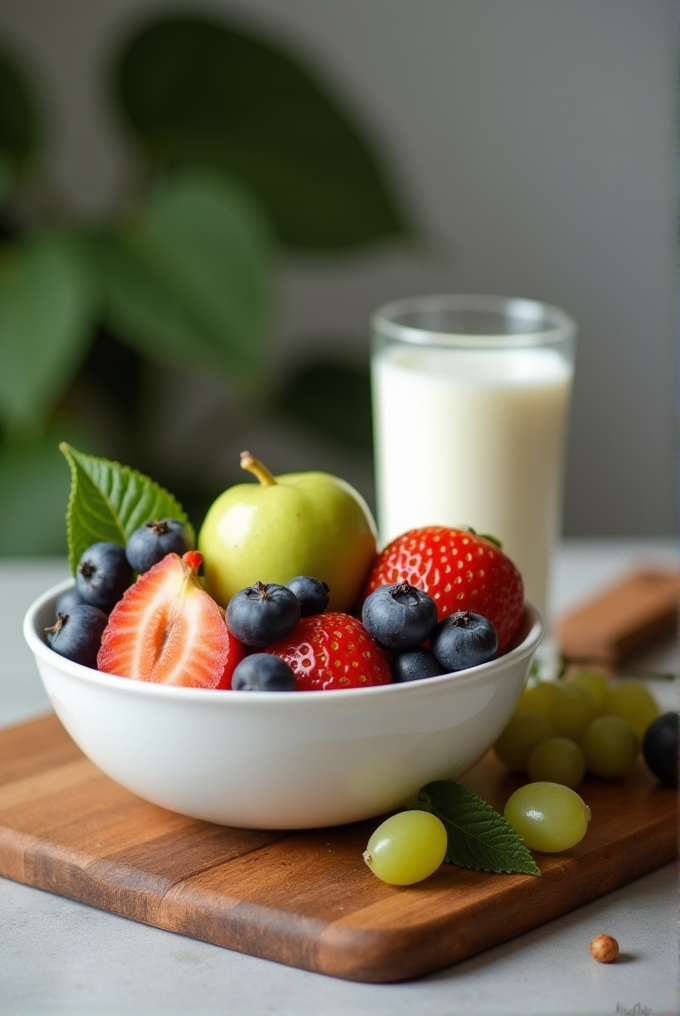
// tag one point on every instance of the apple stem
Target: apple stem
(255, 467)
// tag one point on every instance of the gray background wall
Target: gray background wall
(534, 139)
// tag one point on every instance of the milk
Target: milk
(473, 437)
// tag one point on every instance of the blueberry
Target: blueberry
(399, 616)
(660, 748)
(463, 640)
(263, 672)
(414, 664)
(103, 574)
(67, 600)
(262, 614)
(151, 542)
(77, 634)
(312, 594)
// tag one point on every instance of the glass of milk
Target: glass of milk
(470, 401)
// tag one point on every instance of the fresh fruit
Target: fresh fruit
(77, 633)
(149, 544)
(263, 672)
(67, 600)
(594, 681)
(262, 614)
(460, 571)
(631, 701)
(333, 651)
(537, 698)
(167, 629)
(103, 574)
(407, 847)
(308, 523)
(414, 664)
(660, 748)
(522, 733)
(399, 616)
(572, 710)
(610, 747)
(548, 816)
(463, 640)
(311, 592)
(557, 760)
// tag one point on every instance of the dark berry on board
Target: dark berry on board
(463, 640)
(414, 664)
(103, 574)
(262, 614)
(263, 672)
(77, 635)
(399, 616)
(660, 748)
(312, 594)
(150, 543)
(67, 600)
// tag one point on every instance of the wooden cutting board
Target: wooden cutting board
(306, 899)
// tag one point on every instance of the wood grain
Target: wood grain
(305, 899)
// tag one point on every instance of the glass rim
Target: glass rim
(558, 325)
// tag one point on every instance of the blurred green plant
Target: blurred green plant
(236, 151)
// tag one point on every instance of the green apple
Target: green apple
(309, 523)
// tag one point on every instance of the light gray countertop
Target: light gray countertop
(61, 957)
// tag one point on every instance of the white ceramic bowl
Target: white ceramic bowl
(281, 760)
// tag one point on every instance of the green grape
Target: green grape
(537, 698)
(557, 760)
(572, 711)
(594, 681)
(519, 738)
(610, 746)
(547, 816)
(407, 847)
(633, 702)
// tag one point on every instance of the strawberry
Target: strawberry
(167, 629)
(332, 651)
(460, 571)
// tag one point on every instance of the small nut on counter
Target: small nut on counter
(604, 948)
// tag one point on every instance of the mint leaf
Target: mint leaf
(479, 837)
(109, 501)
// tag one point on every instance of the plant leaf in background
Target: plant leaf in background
(19, 121)
(331, 397)
(47, 299)
(109, 501)
(192, 90)
(188, 278)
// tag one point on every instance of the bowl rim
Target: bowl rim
(534, 626)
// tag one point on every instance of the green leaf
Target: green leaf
(19, 121)
(479, 837)
(47, 302)
(108, 501)
(199, 91)
(188, 281)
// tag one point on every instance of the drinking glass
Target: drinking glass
(471, 397)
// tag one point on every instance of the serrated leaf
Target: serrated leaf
(108, 501)
(478, 836)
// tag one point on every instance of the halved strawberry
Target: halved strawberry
(333, 651)
(460, 571)
(167, 629)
